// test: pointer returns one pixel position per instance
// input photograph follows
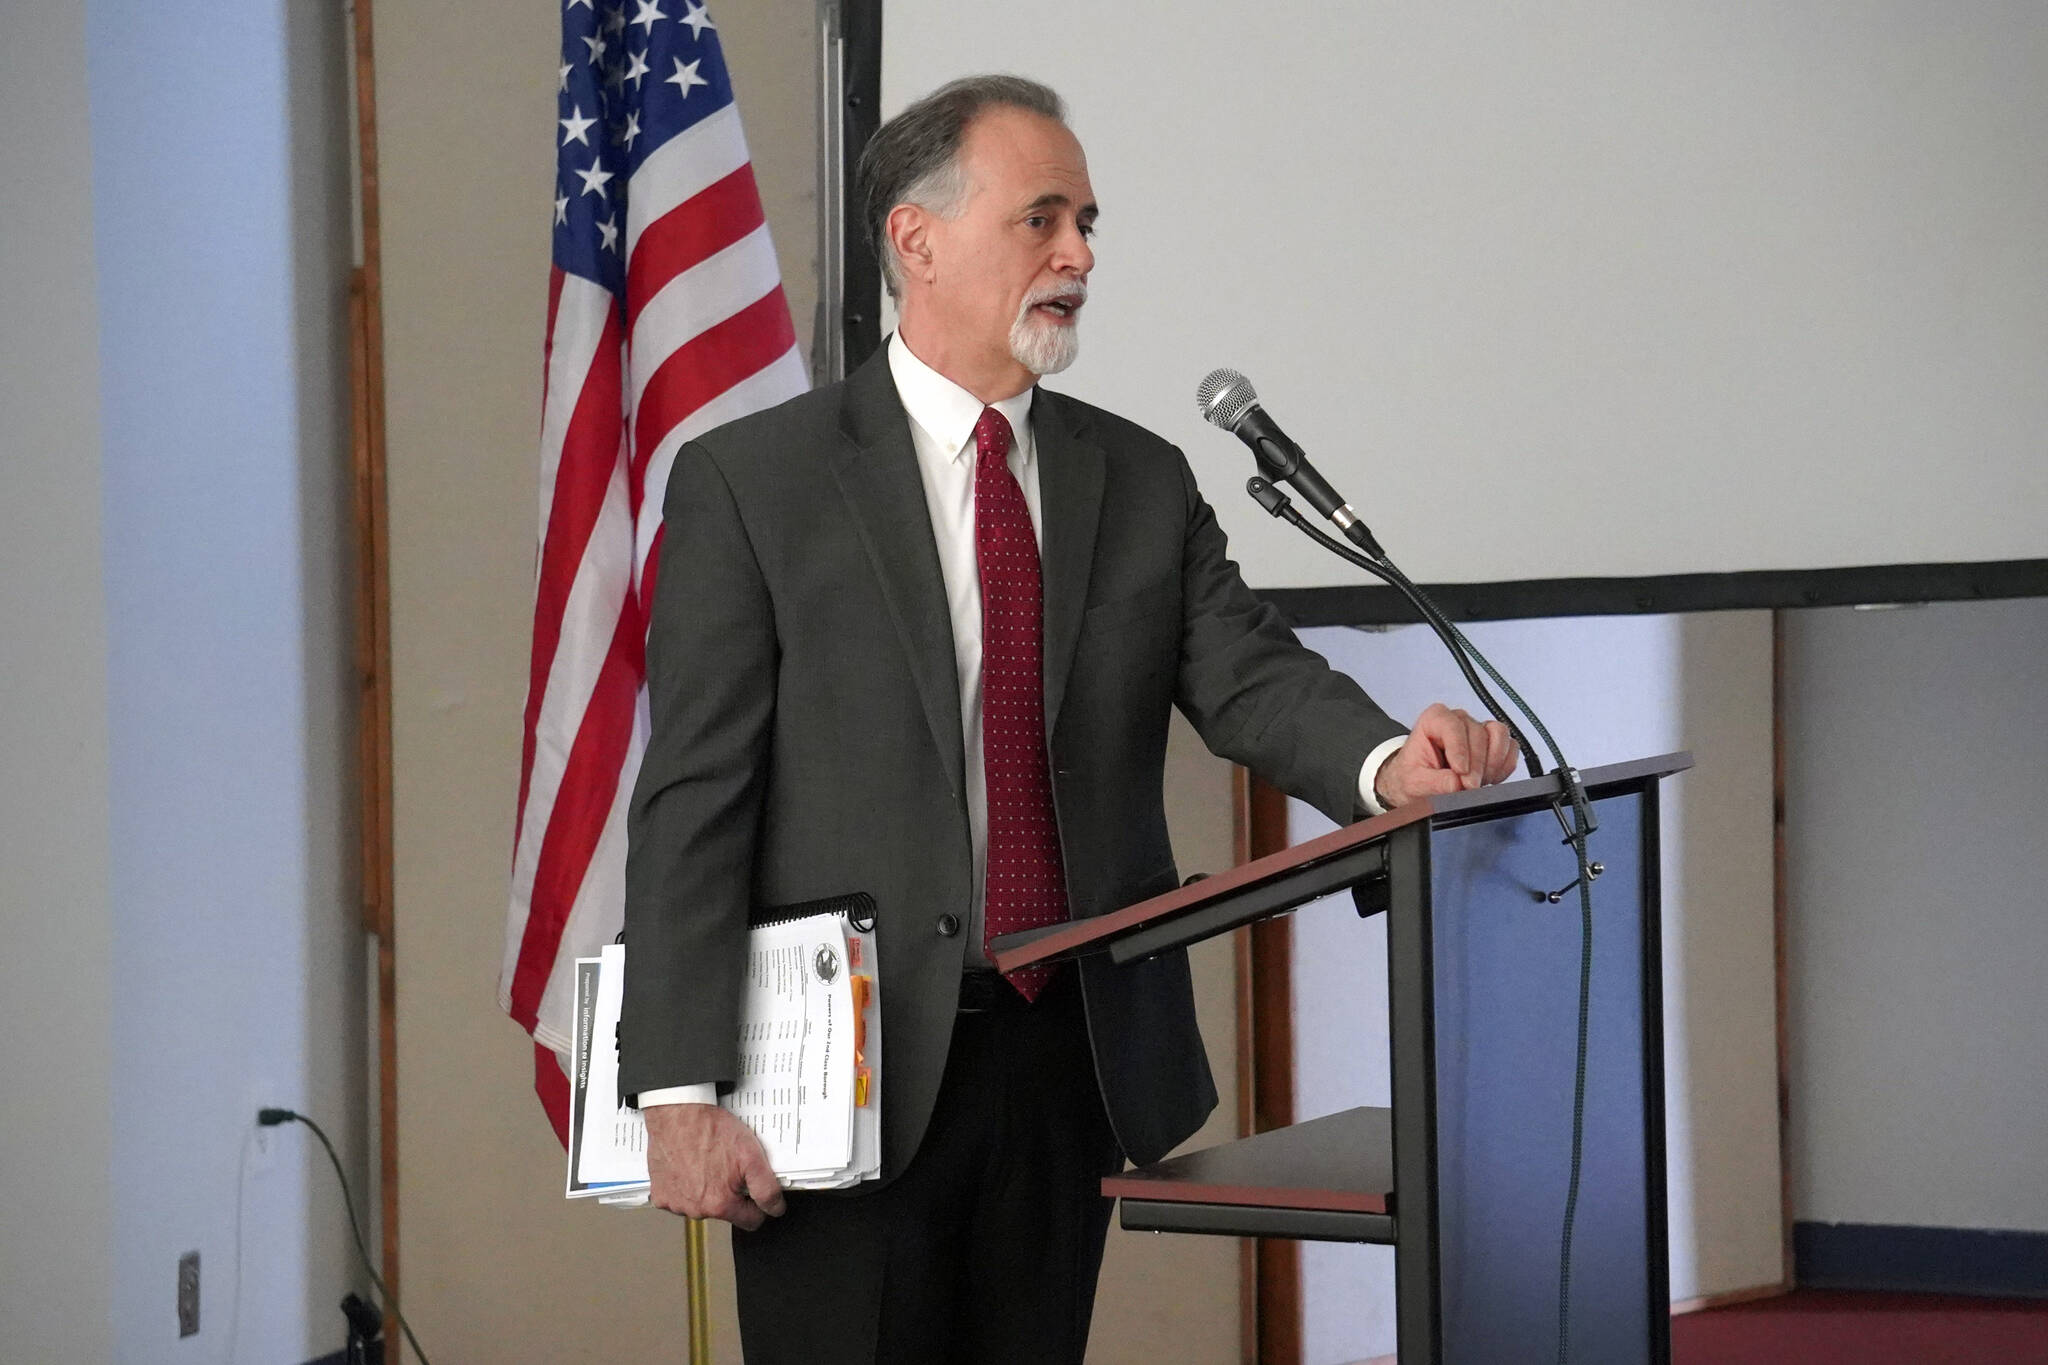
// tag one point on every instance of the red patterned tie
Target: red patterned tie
(1027, 885)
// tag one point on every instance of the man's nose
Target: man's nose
(1075, 256)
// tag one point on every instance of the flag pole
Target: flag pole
(700, 1305)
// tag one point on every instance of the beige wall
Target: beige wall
(496, 1265)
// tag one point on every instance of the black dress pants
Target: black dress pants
(985, 1250)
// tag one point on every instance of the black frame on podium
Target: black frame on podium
(1371, 1175)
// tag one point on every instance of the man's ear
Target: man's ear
(908, 229)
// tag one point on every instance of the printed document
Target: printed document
(809, 1073)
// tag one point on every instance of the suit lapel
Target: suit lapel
(877, 472)
(1070, 475)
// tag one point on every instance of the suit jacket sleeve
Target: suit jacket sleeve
(695, 814)
(1258, 696)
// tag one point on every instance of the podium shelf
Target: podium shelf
(1329, 1179)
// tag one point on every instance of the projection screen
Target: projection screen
(1582, 289)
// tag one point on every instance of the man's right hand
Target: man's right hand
(704, 1163)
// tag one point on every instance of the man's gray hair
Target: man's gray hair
(914, 158)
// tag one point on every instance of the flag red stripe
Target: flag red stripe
(590, 453)
(553, 1088)
(590, 782)
(651, 571)
(704, 367)
(701, 226)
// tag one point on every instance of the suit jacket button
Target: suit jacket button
(949, 925)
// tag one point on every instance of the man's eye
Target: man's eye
(1088, 231)
(1036, 220)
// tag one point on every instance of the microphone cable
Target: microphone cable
(1583, 823)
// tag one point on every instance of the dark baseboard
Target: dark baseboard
(1920, 1260)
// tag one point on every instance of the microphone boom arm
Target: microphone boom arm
(1282, 506)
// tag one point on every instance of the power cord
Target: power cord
(271, 1118)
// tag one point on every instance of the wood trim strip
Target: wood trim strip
(1241, 956)
(1277, 1319)
(373, 636)
(1779, 931)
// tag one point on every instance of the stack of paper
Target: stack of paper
(810, 1064)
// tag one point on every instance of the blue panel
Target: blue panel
(1506, 1011)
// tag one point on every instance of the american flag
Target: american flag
(665, 318)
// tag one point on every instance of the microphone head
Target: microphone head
(1225, 396)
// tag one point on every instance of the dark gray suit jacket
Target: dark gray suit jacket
(806, 732)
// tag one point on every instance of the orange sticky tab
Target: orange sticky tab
(860, 1088)
(853, 952)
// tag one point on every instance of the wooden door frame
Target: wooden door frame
(1269, 1292)
(373, 637)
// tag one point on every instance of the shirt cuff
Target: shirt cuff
(1368, 796)
(705, 1093)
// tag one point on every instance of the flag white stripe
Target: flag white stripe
(596, 906)
(579, 326)
(683, 167)
(590, 619)
(784, 377)
(700, 298)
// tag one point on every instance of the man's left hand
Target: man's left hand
(1447, 751)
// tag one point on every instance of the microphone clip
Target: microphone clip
(1268, 495)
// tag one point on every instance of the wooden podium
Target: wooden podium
(1466, 1174)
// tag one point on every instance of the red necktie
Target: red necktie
(1027, 885)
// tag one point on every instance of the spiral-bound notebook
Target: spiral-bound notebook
(810, 1057)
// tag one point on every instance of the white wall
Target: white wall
(1916, 800)
(55, 1209)
(1610, 688)
(1622, 264)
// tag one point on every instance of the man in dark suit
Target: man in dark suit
(918, 635)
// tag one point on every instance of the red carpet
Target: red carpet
(1827, 1327)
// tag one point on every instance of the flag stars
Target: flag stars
(685, 77)
(697, 19)
(567, 67)
(631, 130)
(576, 128)
(562, 210)
(596, 43)
(594, 179)
(609, 228)
(637, 71)
(650, 11)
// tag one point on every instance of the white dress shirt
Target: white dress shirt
(942, 420)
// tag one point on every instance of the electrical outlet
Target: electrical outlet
(188, 1294)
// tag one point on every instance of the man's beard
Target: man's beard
(1040, 345)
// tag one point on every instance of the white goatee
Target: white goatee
(1042, 346)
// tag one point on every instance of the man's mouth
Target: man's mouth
(1061, 308)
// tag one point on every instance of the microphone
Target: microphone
(1228, 400)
